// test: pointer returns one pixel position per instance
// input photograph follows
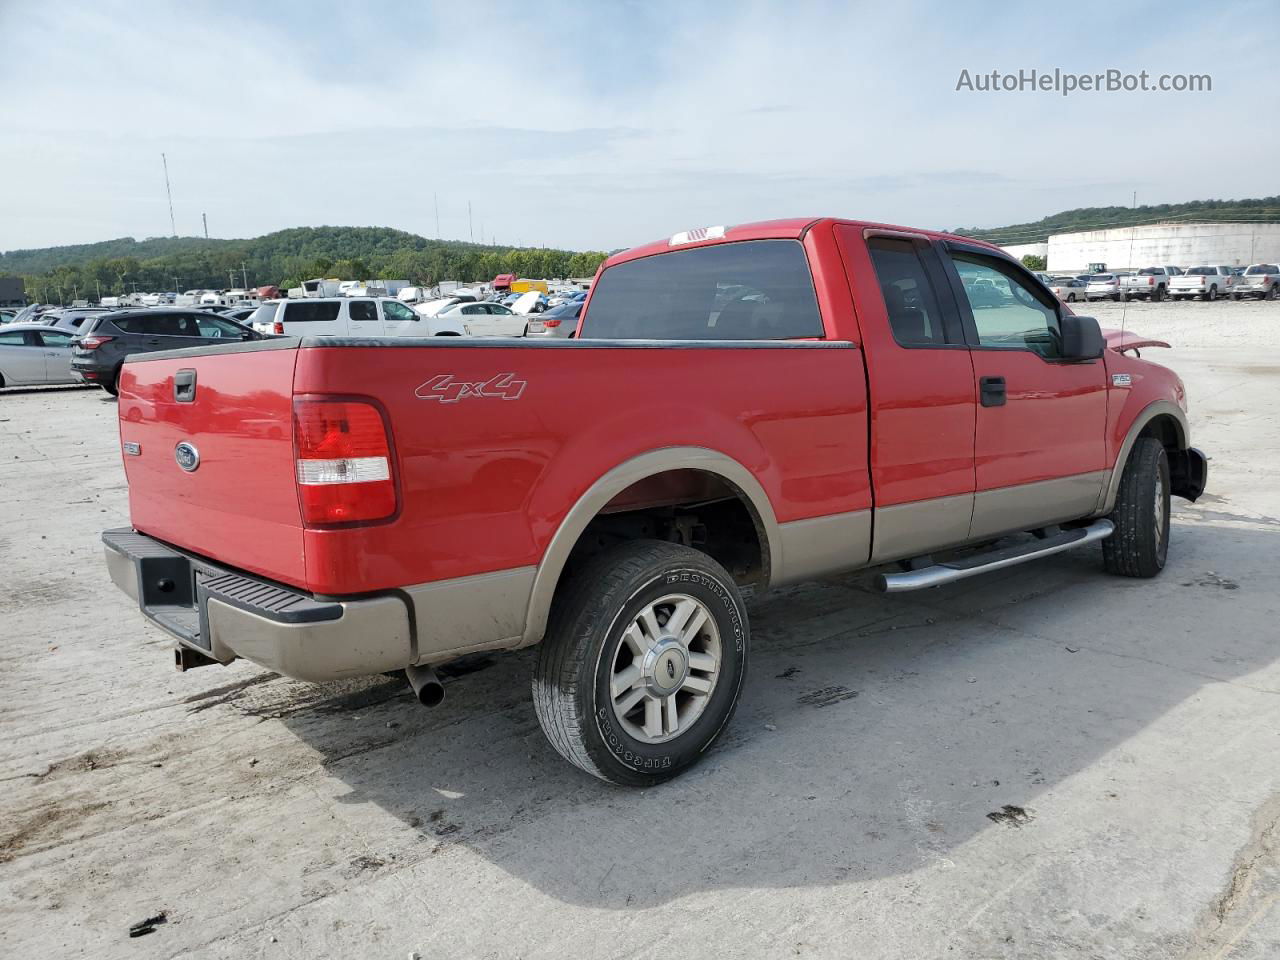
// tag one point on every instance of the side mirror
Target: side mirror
(1081, 338)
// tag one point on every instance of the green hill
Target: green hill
(1266, 209)
(284, 258)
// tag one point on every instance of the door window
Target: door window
(217, 328)
(314, 311)
(12, 338)
(362, 310)
(1007, 312)
(397, 311)
(914, 316)
(54, 338)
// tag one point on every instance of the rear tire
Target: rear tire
(1158, 295)
(1273, 293)
(112, 386)
(1140, 544)
(609, 632)
(1212, 294)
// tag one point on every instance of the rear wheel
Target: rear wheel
(1158, 295)
(112, 384)
(643, 662)
(1071, 298)
(1273, 293)
(1140, 543)
(1212, 294)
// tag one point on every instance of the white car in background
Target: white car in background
(347, 317)
(1205, 282)
(1103, 286)
(1261, 280)
(1067, 289)
(485, 319)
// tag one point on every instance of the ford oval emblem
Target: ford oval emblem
(188, 457)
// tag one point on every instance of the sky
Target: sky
(603, 125)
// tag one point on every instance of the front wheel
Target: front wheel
(1140, 543)
(643, 662)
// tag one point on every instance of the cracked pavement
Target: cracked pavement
(1043, 762)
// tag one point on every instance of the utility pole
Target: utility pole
(244, 273)
(435, 199)
(175, 282)
(172, 223)
(1135, 199)
(470, 226)
(99, 283)
(204, 218)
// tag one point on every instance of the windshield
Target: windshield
(1102, 278)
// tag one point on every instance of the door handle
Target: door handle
(992, 391)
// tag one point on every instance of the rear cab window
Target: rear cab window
(910, 298)
(315, 311)
(750, 290)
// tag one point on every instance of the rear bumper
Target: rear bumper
(224, 614)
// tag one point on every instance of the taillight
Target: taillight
(278, 328)
(93, 342)
(1151, 281)
(551, 323)
(343, 462)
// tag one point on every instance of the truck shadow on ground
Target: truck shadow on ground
(875, 735)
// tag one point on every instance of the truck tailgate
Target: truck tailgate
(239, 504)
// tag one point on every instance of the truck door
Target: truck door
(365, 321)
(1040, 454)
(921, 392)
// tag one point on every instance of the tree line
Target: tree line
(283, 259)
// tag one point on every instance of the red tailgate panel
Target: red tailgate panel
(240, 505)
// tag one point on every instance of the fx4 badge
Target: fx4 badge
(446, 389)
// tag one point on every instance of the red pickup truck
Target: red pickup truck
(741, 408)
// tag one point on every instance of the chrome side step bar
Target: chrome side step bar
(939, 573)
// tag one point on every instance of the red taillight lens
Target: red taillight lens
(94, 342)
(1151, 281)
(343, 462)
(551, 324)
(278, 328)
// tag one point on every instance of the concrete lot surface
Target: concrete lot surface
(1045, 762)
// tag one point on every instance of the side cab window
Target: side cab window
(1010, 309)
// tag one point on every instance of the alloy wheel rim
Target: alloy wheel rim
(664, 668)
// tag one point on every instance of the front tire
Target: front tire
(1140, 544)
(643, 662)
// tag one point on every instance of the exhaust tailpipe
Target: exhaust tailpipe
(426, 685)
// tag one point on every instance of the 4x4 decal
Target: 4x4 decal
(503, 386)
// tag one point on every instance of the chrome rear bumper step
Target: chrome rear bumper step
(940, 573)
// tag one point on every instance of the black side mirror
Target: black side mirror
(1081, 338)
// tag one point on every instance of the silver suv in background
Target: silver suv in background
(1205, 282)
(1261, 280)
(1103, 286)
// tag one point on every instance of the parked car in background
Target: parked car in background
(567, 296)
(1102, 286)
(1067, 289)
(71, 318)
(35, 354)
(1149, 283)
(101, 348)
(484, 319)
(1207, 283)
(1260, 280)
(558, 322)
(347, 317)
(7, 315)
